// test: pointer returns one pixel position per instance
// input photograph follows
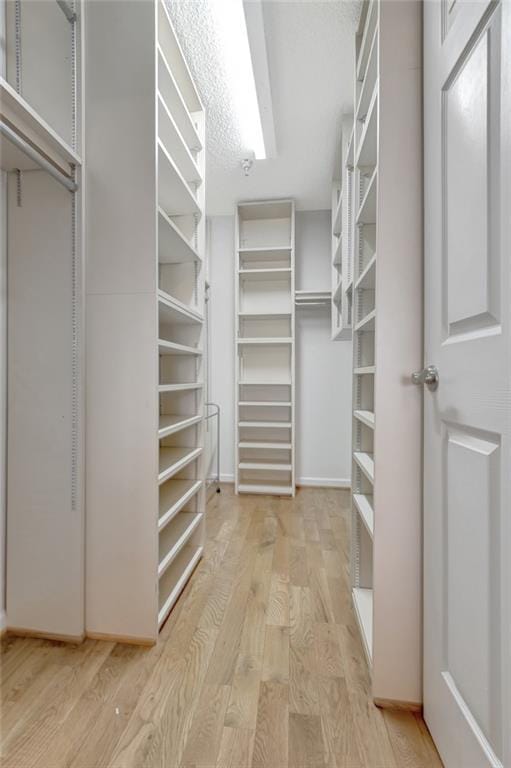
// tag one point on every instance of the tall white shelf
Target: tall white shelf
(387, 346)
(343, 234)
(41, 154)
(145, 333)
(265, 347)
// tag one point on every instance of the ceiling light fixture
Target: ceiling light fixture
(231, 28)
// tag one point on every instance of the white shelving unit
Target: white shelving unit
(386, 280)
(41, 154)
(265, 347)
(146, 329)
(342, 234)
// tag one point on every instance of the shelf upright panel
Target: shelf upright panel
(342, 236)
(265, 346)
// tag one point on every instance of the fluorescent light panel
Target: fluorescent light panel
(231, 28)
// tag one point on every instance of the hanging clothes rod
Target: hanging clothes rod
(67, 11)
(37, 157)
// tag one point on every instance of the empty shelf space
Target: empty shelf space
(263, 404)
(365, 417)
(364, 369)
(174, 494)
(366, 463)
(180, 387)
(174, 195)
(266, 340)
(171, 138)
(367, 322)
(175, 578)
(273, 466)
(173, 248)
(172, 97)
(337, 220)
(274, 445)
(337, 257)
(266, 488)
(171, 310)
(363, 602)
(364, 506)
(174, 536)
(367, 211)
(265, 424)
(367, 152)
(174, 459)
(171, 348)
(369, 80)
(366, 280)
(169, 424)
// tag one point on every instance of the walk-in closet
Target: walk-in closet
(255, 383)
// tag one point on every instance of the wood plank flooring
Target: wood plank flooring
(259, 665)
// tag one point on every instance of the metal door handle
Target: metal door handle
(428, 376)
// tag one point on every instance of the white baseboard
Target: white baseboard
(323, 482)
(307, 482)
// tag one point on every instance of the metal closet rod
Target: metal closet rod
(38, 158)
(67, 10)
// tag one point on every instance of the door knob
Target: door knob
(428, 376)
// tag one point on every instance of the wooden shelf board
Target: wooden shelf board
(172, 348)
(264, 383)
(337, 294)
(174, 495)
(262, 404)
(370, 25)
(266, 340)
(266, 249)
(366, 463)
(367, 322)
(363, 603)
(367, 211)
(271, 446)
(174, 194)
(369, 80)
(265, 315)
(174, 536)
(171, 310)
(364, 506)
(337, 218)
(267, 488)
(169, 43)
(265, 424)
(367, 278)
(173, 248)
(337, 256)
(170, 424)
(266, 272)
(173, 459)
(172, 139)
(173, 98)
(180, 387)
(365, 417)
(273, 466)
(183, 567)
(364, 369)
(367, 151)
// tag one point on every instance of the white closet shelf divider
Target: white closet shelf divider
(367, 322)
(275, 445)
(369, 82)
(174, 495)
(32, 128)
(337, 221)
(266, 488)
(172, 348)
(367, 277)
(265, 249)
(265, 315)
(265, 272)
(172, 97)
(173, 248)
(363, 602)
(337, 294)
(367, 36)
(173, 460)
(174, 194)
(366, 463)
(272, 466)
(265, 404)
(362, 370)
(188, 386)
(365, 417)
(173, 311)
(175, 578)
(367, 152)
(175, 144)
(170, 424)
(265, 340)
(174, 537)
(263, 383)
(367, 211)
(265, 424)
(337, 257)
(364, 506)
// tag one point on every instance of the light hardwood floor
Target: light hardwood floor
(259, 664)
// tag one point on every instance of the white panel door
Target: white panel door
(467, 500)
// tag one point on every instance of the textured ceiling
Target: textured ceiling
(310, 58)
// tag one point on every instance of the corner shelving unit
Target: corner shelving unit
(41, 150)
(342, 235)
(146, 339)
(387, 346)
(265, 347)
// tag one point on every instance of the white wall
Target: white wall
(323, 374)
(3, 349)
